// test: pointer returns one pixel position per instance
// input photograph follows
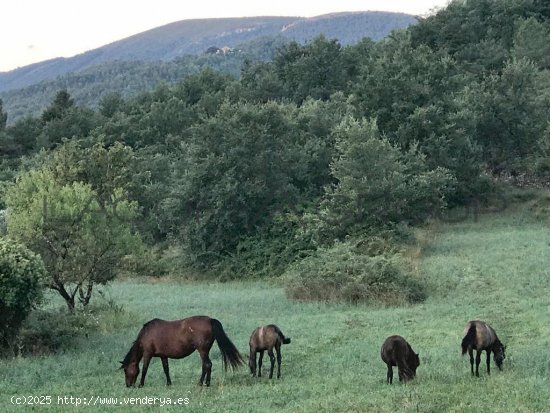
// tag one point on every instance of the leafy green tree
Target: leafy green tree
(82, 230)
(61, 103)
(260, 82)
(110, 104)
(316, 121)
(3, 117)
(24, 133)
(398, 79)
(377, 184)
(315, 70)
(235, 173)
(21, 281)
(532, 41)
(509, 114)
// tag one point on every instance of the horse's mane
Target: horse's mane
(128, 357)
(135, 345)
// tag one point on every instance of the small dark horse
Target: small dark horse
(176, 340)
(481, 336)
(397, 352)
(266, 338)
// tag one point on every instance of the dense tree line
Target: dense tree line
(320, 145)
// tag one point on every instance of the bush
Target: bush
(47, 331)
(347, 272)
(269, 252)
(21, 274)
(541, 207)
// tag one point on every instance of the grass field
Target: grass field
(497, 269)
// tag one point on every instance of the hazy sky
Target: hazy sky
(36, 30)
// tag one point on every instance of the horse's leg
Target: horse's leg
(488, 361)
(478, 360)
(146, 361)
(390, 374)
(252, 361)
(206, 368)
(272, 359)
(471, 353)
(203, 371)
(279, 358)
(260, 363)
(166, 370)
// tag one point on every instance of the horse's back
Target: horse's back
(394, 348)
(176, 338)
(265, 337)
(485, 335)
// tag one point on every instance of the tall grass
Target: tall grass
(496, 269)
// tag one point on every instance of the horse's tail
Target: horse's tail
(468, 339)
(285, 340)
(230, 354)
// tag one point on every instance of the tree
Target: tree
(315, 70)
(3, 117)
(238, 169)
(61, 103)
(110, 104)
(509, 114)
(81, 229)
(377, 184)
(532, 41)
(21, 278)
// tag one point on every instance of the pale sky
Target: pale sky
(36, 30)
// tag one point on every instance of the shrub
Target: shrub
(21, 274)
(346, 272)
(269, 252)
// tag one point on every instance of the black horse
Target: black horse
(481, 336)
(397, 352)
(178, 339)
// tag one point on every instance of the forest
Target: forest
(312, 168)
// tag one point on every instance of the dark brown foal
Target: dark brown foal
(480, 336)
(397, 352)
(266, 338)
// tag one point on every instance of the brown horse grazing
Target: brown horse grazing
(175, 340)
(397, 352)
(266, 338)
(481, 336)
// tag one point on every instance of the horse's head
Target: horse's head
(131, 371)
(499, 351)
(414, 363)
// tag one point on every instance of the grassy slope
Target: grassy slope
(496, 270)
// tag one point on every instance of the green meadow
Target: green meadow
(496, 269)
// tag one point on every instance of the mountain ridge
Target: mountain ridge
(194, 36)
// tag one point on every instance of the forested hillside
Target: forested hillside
(128, 78)
(194, 37)
(314, 165)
